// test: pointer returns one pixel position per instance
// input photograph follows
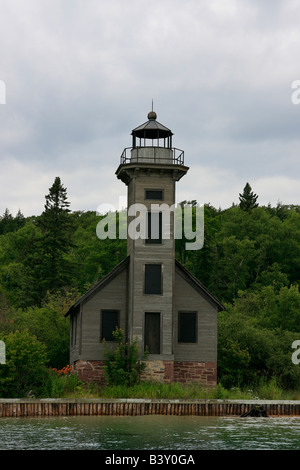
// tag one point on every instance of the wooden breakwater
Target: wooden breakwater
(138, 407)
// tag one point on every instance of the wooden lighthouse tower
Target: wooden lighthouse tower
(150, 295)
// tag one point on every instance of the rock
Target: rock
(257, 411)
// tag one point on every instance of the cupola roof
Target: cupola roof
(152, 129)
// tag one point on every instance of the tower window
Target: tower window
(154, 228)
(152, 332)
(153, 279)
(187, 327)
(156, 194)
(109, 322)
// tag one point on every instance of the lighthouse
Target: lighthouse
(150, 168)
(150, 295)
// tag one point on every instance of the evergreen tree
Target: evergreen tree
(19, 220)
(55, 223)
(248, 199)
(6, 222)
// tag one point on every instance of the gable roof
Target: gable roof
(124, 263)
(100, 284)
(191, 279)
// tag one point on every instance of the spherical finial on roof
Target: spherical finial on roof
(152, 115)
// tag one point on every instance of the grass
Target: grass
(167, 391)
(152, 390)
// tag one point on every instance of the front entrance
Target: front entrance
(152, 332)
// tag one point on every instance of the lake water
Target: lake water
(150, 433)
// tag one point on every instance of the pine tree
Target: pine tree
(19, 220)
(56, 227)
(248, 199)
(6, 222)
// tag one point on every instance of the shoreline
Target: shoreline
(50, 407)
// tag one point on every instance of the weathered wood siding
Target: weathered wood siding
(112, 296)
(187, 298)
(142, 253)
(126, 292)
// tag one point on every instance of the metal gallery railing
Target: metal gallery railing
(177, 155)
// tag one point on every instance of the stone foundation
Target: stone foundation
(158, 371)
(90, 371)
(191, 372)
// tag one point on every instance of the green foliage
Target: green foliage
(57, 228)
(248, 199)
(8, 223)
(273, 306)
(93, 258)
(256, 352)
(63, 385)
(233, 362)
(122, 364)
(25, 368)
(239, 246)
(270, 390)
(21, 261)
(154, 390)
(48, 323)
(250, 261)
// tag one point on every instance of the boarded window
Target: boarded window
(152, 332)
(109, 322)
(154, 228)
(156, 194)
(187, 327)
(153, 279)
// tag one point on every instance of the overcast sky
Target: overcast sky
(79, 75)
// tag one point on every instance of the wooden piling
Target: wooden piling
(16, 408)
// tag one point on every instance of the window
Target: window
(153, 279)
(187, 327)
(154, 228)
(152, 332)
(156, 194)
(109, 322)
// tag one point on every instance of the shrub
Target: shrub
(123, 366)
(25, 368)
(248, 352)
(62, 382)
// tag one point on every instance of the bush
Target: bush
(269, 390)
(233, 362)
(122, 365)
(48, 323)
(248, 352)
(25, 368)
(63, 383)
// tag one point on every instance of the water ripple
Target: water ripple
(149, 432)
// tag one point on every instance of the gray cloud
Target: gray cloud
(81, 75)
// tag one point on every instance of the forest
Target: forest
(250, 261)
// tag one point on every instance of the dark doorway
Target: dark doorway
(152, 332)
